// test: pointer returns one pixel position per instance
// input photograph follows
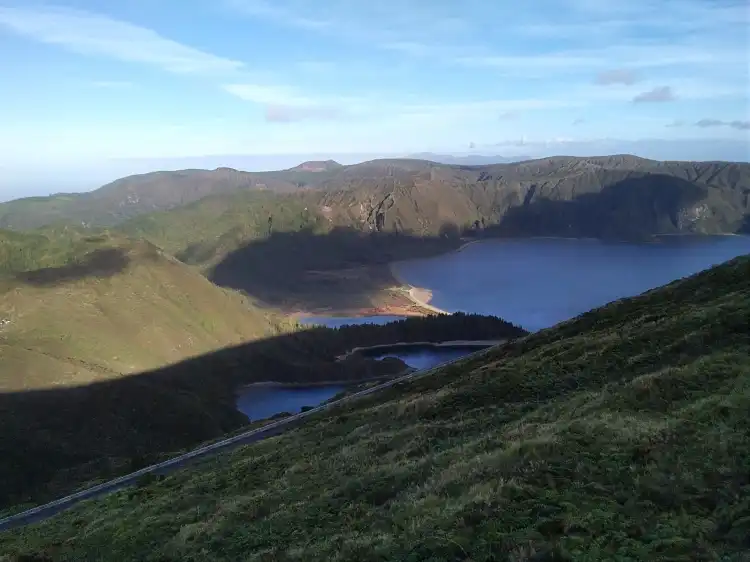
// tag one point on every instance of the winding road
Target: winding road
(42, 512)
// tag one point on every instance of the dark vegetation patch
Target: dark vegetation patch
(99, 263)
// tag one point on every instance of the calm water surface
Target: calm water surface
(426, 358)
(536, 283)
(261, 402)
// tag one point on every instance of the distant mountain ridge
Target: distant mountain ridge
(468, 159)
(417, 195)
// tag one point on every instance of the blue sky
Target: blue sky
(89, 80)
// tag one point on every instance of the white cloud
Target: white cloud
(285, 104)
(413, 28)
(93, 34)
(736, 124)
(600, 60)
(688, 89)
(658, 94)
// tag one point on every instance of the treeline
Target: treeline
(434, 328)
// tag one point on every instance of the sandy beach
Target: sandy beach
(418, 295)
(402, 300)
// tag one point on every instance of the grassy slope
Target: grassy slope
(622, 434)
(32, 212)
(79, 309)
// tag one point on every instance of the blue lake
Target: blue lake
(536, 283)
(426, 358)
(261, 402)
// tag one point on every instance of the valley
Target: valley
(130, 336)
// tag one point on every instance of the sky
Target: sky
(89, 82)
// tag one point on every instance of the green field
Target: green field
(620, 435)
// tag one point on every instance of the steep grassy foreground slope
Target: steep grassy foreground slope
(75, 309)
(622, 434)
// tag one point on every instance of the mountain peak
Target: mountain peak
(318, 166)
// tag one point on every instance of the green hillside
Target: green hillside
(77, 309)
(619, 435)
(206, 230)
(283, 250)
(80, 315)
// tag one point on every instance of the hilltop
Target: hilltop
(145, 193)
(621, 433)
(318, 166)
(616, 196)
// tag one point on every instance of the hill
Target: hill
(622, 433)
(606, 197)
(318, 166)
(324, 249)
(113, 352)
(144, 193)
(617, 196)
(76, 309)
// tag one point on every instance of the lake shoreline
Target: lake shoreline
(478, 344)
(315, 384)
(419, 298)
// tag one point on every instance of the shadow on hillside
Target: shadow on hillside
(634, 208)
(52, 439)
(339, 270)
(343, 269)
(745, 226)
(105, 262)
